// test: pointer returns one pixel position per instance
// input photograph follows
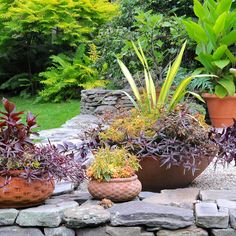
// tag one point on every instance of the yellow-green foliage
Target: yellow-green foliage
(63, 79)
(131, 125)
(66, 20)
(116, 163)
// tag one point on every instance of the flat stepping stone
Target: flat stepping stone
(90, 215)
(155, 215)
(225, 204)
(190, 231)
(8, 216)
(18, 231)
(223, 232)
(182, 197)
(60, 231)
(82, 122)
(213, 195)
(208, 216)
(44, 215)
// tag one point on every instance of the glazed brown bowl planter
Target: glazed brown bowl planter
(154, 178)
(117, 190)
(19, 192)
(221, 110)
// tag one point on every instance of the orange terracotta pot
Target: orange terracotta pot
(221, 110)
(117, 190)
(154, 178)
(19, 192)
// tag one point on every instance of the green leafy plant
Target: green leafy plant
(67, 75)
(159, 34)
(113, 163)
(215, 35)
(163, 100)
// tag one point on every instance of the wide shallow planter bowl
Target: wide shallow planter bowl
(221, 110)
(19, 192)
(117, 190)
(154, 178)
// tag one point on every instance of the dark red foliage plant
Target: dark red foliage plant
(18, 151)
(226, 141)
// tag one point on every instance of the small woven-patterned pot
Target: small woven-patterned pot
(19, 192)
(117, 190)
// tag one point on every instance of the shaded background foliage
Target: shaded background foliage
(43, 36)
(156, 24)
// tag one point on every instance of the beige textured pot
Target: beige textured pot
(117, 190)
(221, 110)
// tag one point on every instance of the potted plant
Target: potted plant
(215, 35)
(112, 175)
(28, 171)
(172, 143)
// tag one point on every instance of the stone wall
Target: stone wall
(99, 101)
(179, 212)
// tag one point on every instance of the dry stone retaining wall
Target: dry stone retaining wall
(179, 212)
(100, 101)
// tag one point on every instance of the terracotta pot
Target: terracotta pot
(155, 178)
(19, 192)
(117, 190)
(221, 110)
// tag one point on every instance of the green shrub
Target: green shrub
(152, 22)
(159, 36)
(68, 75)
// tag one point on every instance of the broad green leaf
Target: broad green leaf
(219, 52)
(223, 5)
(230, 38)
(196, 32)
(199, 10)
(130, 79)
(206, 61)
(221, 63)
(170, 77)
(220, 23)
(211, 34)
(228, 84)
(230, 55)
(220, 91)
(211, 6)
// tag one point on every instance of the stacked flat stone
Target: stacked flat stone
(100, 101)
(73, 212)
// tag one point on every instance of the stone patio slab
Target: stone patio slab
(148, 214)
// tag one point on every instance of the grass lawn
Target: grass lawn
(49, 115)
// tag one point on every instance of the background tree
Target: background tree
(32, 31)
